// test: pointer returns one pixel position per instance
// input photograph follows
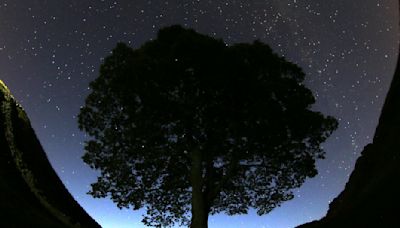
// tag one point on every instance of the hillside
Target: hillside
(371, 197)
(32, 195)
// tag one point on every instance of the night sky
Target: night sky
(51, 49)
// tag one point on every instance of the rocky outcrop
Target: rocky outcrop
(371, 197)
(31, 193)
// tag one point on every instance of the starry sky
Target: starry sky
(51, 49)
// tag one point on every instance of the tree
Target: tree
(187, 126)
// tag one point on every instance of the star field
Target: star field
(51, 50)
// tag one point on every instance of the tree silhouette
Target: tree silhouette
(187, 126)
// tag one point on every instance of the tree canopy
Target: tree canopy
(186, 126)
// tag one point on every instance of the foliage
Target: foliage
(186, 112)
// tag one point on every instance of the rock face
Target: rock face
(371, 197)
(31, 193)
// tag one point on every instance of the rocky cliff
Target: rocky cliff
(371, 197)
(31, 193)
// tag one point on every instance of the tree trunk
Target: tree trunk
(199, 204)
